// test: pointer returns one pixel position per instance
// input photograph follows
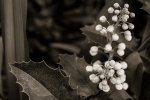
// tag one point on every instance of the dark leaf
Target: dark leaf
(1, 98)
(134, 73)
(146, 5)
(75, 68)
(41, 82)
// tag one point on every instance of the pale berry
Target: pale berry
(103, 32)
(104, 82)
(112, 71)
(95, 79)
(121, 46)
(127, 32)
(102, 19)
(108, 47)
(115, 37)
(111, 62)
(94, 50)
(116, 5)
(115, 18)
(106, 64)
(98, 27)
(123, 79)
(100, 86)
(124, 18)
(96, 67)
(131, 26)
(126, 5)
(120, 52)
(97, 62)
(117, 66)
(89, 68)
(100, 70)
(127, 12)
(118, 80)
(120, 72)
(106, 88)
(117, 12)
(125, 86)
(110, 10)
(110, 74)
(127, 16)
(110, 28)
(92, 76)
(124, 65)
(124, 26)
(102, 76)
(93, 53)
(113, 80)
(118, 86)
(128, 37)
(132, 15)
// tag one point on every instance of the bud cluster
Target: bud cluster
(108, 71)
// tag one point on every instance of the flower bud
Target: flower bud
(102, 19)
(110, 10)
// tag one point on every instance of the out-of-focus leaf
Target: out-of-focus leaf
(41, 82)
(1, 97)
(75, 68)
(146, 5)
(134, 73)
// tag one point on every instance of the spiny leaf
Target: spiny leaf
(41, 82)
(75, 68)
(146, 5)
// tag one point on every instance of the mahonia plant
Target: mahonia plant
(111, 70)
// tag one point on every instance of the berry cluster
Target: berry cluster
(112, 70)
(109, 70)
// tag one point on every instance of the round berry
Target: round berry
(117, 12)
(104, 82)
(117, 66)
(94, 50)
(102, 19)
(96, 67)
(124, 18)
(131, 26)
(120, 52)
(115, 18)
(121, 46)
(126, 5)
(127, 12)
(127, 16)
(106, 88)
(115, 37)
(118, 80)
(100, 70)
(127, 32)
(110, 74)
(116, 5)
(111, 62)
(97, 62)
(103, 31)
(123, 79)
(132, 15)
(106, 64)
(92, 76)
(124, 26)
(128, 37)
(110, 28)
(108, 47)
(124, 65)
(89, 68)
(112, 71)
(120, 72)
(95, 79)
(118, 86)
(110, 10)
(100, 86)
(98, 27)
(102, 76)
(125, 86)
(113, 80)
(93, 53)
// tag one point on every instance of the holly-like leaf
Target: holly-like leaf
(41, 82)
(75, 68)
(146, 5)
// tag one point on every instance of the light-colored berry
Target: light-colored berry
(100, 86)
(110, 28)
(131, 26)
(124, 26)
(128, 37)
(115, 37)
(106, 88)
(127, 32)
(96, 67)
(111, 62)
(117, 66)
(127, 12)
(125, 86)
(120, 72)
(97, 62)
(121, 46)
(123, 79)
(94, 50)
(102, 76)
(103, 19)
(93, 53)
(132, 15)
(100, 70)
(103, 32)
(117, 12)
(110, 74)
(118, 80)
(89, 68)
(118, 86)
(92, 76)
(104, 82)
(110, 10)
(95, 79)
(113, 80)
(108, 47)
(120, 52)
(127, 16)
(98, 27)
(126, 5)
(116, 5)
(124, 65)
(115, 18)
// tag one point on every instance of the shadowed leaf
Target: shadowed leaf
(146, 5)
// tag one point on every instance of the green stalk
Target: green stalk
(15, 45)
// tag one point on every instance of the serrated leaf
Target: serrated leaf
(75, 68)
(41, 82)
(146, 5)
(134, 73)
